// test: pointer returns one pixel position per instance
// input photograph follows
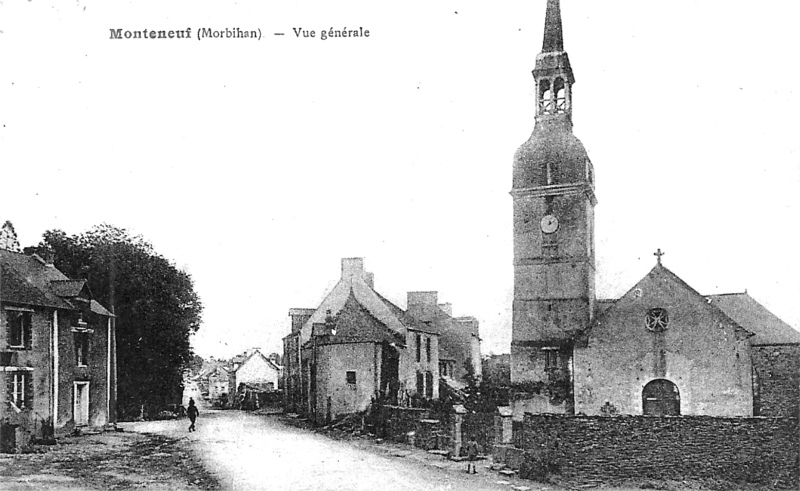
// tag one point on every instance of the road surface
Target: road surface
(250, 452)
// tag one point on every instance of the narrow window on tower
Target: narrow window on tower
(551, 358)
(545, 102)
(560, 90)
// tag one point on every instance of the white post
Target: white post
(55, 370)
(108, 375)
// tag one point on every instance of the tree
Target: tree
(156, 308)
(8, 237)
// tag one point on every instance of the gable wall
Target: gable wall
(95, 372)
(699, 352)
(334, 395)
(257, 370)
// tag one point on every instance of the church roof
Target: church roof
(767, 327)
(660, 273)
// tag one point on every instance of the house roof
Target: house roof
(356, 324)
(354, 281)
(67, 288)
(767, 327)
(243, 359)
(29, 280)
(26, 280)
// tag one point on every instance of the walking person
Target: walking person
(192, 412)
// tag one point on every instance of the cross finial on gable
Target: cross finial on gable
(658, 254)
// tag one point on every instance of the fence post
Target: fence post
(458, 419)
(503, 425)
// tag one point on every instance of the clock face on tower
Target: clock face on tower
(549, 224)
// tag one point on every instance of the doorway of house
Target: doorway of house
(660, 397)
(80, 404)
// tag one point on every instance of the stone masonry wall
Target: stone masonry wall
(777, 370)
(764, 450)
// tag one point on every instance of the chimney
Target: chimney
(370, 279)
(352, 267)
(422, 305)
(299, 318)
(447, 308)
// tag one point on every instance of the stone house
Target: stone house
(459, 337)
(661, 349)
(254, 368)
(215, 382)
(357, 346)
(57, 351)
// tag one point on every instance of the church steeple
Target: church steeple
(553, 73)
(553, 36)
(553, 193)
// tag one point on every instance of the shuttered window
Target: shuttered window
(19, 329)
(19, 387)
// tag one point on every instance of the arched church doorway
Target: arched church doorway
(661, 398)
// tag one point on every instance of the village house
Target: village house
(459, 339)
(660, 349)
(358, 347)
(215, 383)
(57, 352)
(252, 367)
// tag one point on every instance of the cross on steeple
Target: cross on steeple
(658, 254)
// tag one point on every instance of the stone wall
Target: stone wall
(763, 450)
(397, 422)
(777, 369)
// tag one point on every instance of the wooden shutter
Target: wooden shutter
(26, 330)
(28, 389)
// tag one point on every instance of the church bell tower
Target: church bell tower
(553, 199)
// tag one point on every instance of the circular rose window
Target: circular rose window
(656, 320)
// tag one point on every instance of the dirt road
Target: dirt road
(251, 452)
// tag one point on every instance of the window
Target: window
(429, 385)
(19, 329)
(81, 348)
(419, 348)
(561, 96)
(545, 102)
(656, 320)
(551, 358)
(20, 389)
(420, 383)
(428, 349)
(351, 377)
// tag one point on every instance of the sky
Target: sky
(256, 165)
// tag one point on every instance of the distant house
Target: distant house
(217, 382)
(254, 368)
(356, 347)
(57, 351)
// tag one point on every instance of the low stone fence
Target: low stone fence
(760, 450)
(435, 430)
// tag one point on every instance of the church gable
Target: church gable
(663, 330)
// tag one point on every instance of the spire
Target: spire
(553, 34)
(553, 73)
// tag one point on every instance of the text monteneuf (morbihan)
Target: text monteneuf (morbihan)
(202, 33)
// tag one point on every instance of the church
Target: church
(662, 349)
